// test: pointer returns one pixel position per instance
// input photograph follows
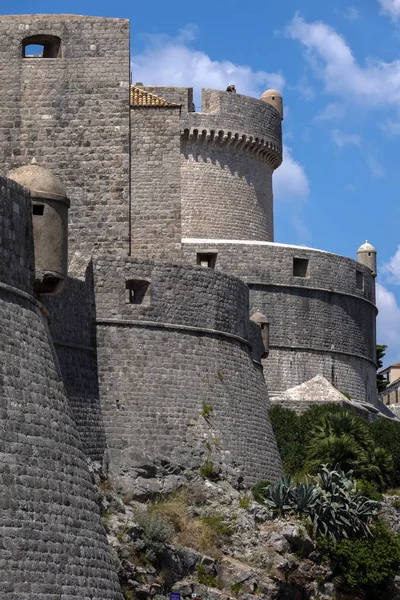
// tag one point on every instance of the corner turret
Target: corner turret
(366, 255)
(50, 226)
(274, 98)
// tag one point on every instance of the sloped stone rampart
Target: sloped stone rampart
(320, 323)
(160, 365)
(73, 334)
(53, 543)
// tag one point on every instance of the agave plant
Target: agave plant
(303, 497)
(340, 511)
(279, 494)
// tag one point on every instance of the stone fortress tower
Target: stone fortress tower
(156, 350)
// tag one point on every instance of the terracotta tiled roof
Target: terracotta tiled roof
(139, 97)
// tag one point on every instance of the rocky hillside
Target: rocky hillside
(212, 542)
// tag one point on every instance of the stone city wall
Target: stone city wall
(156, 187)
(72, 115)
(322, 320)
(53, 544)
(16, 239)
(161, 362)
(72, 327)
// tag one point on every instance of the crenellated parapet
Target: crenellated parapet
(263, 149)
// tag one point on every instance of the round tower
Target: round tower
(274, 98)
(366, 255)
(50, 226)
(228, 155)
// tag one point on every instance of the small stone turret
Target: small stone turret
(366, 255)
(263, 322)
(274, 98)
(50, 226)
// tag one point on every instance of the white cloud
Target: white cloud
(391, 128)
(388, 322)
(290, 180)
(392, 268)
(345, 139)
(291, 187)
(351, 13)
(331, 112)
(170, 60)
(391, 8)
(376, 168)
(375, 84)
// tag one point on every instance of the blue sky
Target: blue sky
(337, 64)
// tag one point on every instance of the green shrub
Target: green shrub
(219, 524)
(366, 562)
(330, 434)
(244, 501)
(293, 432)
(157, 532)
(236, 588)
(205, 578)
(206, 410)
(289, 436)
(369, 490)
(344, 438)
(386, 434)
(259, 490)
(207, 470)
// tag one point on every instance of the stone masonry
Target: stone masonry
(180, 316)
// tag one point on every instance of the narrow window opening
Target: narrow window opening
(37, 209)
(41, 46)
(300, 267)
(138, 292)
(207, 260)
(359, 280)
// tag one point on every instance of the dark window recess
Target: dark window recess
(207, 260)
(359, 280)
(47, 286)
(300, 267)
(138, 291)
(41, 46)
(37, 209)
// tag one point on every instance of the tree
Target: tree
(344, 438)
(381, 382)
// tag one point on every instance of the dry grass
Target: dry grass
(200, 536)
(174, 509)
(197, 533)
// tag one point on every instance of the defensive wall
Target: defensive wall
(53, 544)
(172, 341)
(69, 110)
(155, 175)
(72, 327)
(222, 187)
(320, 306)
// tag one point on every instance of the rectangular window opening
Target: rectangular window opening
(207, 260)
(359, 280)
(138, 292)
(300, 267)
(37, 209)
